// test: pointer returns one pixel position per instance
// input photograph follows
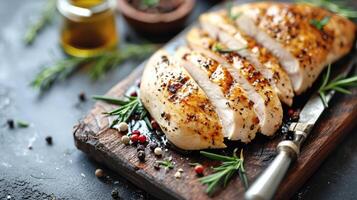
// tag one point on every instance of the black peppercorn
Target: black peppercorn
(115, 194)
(153, 145)
(11, 123)
(140, 147)
(82, 96)
(157, 166)
(141, 156)
(49, 140)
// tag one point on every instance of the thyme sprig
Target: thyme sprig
(229, 7)
(99, 65)
(219, 48)
(336, 7)
(338, 84)
(128, 108)
(223, 173)
(319, 24)
(46, 18)
(167, 164)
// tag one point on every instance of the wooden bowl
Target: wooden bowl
(156, 24)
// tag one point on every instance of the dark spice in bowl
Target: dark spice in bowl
(155, 6)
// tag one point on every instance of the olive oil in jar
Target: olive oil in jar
(88, 27)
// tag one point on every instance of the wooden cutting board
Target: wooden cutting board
(93, 137)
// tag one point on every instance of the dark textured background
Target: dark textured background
(60, 170)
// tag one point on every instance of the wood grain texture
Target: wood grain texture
(93, 137)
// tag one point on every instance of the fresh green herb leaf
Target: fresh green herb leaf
(334, 6)
(319, 24)
(150, 3)
(99, 65)
(128, 108)
(229, 7)
(167, 164)
(45, 19)
(338, 84)
(223, 173)
(22, 124)
(218, 48)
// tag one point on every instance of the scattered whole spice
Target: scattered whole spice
(141, 156)
(136, 132)
(140, 148)
(134, 94)
(154, 125)
(178, 175)
(180, 170)
(49, 140)
(158, 151)
(123, 127)
(22, 124)
(99, 173)
(115, 194)
(142, 139)
(11, 123)
(157, 166)
(125, 139)
(134, 138)
(82, 97)
(199, 169)
(29, 147)
(152, 145)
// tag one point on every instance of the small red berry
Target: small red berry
(137, 132)
(154, 125)
(134, 94)
(142, 139)
(290, 112)
(199, 169)
(134, 137)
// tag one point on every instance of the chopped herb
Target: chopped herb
(223, 173)
(338, 84)
(167, 164)
(129, 107)
(150, 3)
(319, 24)
(22, 124)
(45, 19)
(99, 65)
(218, 48)
(229, 7)
(336, 7)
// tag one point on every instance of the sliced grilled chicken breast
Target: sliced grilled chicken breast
(224, 93)
(266, 102)
(303, 37)
(179, 105)
(218, 25)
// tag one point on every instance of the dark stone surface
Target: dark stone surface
(61, 171)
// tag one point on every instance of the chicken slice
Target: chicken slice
(304, 38)
(179, 105)
(266, 102)
(218, 25)
(223, 92)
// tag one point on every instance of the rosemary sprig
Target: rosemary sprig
(333, 6)
(338, 84)
(99, 65)
(45, 19)
(129, 107)
(319, 24)
(22, 124)
(218, 48)
(223, 173)
(167, 164)
(229, 7)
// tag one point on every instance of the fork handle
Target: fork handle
(267, 183)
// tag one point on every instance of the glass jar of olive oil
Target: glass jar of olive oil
(88, 26)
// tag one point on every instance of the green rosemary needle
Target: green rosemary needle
(46, 18)
(223, 173)
(128, 108)
(333, 6)
(167, 164)
(319, 24)
(338, 84)
(218, 48)
(99, 64)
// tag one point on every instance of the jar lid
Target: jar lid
(75, 12)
